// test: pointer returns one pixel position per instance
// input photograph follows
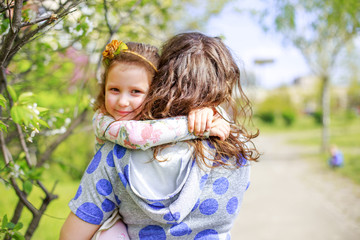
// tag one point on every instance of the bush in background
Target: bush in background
(277, 106)
(317, 115)
(267, 117)
(289, 117)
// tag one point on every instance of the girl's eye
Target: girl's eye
(135, 91)
(114, 89)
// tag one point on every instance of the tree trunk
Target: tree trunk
(325, 104)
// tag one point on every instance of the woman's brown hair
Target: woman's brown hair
(197, 71)
(148, 54)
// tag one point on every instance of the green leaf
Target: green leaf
(10, 225)
(18, 236)
(24, 115)
(27, 187)
(78, 27)
(62, 165)
(35, 173)
(24, 65)
(16, 114)
(18, 226)
(29, 116)
(3, 127)
(4, 24)
(42, 109)
(12, 93)
(4, 221)
(22, 155)
(2, 101)
(42, 122)
(25, 98)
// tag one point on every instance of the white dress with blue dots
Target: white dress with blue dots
(202, 205)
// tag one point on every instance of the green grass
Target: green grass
(344, 133)
(75, 154)
(303, 122)
(51, 222)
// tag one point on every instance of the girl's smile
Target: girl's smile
(125, 90)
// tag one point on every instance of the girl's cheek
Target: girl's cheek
(110, 100)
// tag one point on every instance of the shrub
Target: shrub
(317, 115)
(289, 117)
(267, 117)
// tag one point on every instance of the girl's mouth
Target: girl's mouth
(124, 112)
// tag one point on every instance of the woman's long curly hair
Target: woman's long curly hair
(197, 71)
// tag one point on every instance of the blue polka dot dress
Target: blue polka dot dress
(203, 207)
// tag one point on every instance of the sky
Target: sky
(244, 36)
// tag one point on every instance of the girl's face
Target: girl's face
(125, 90)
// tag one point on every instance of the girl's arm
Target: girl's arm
(75, 228)
(141, 134)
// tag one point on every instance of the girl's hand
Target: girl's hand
(200, 120)
(220, 128)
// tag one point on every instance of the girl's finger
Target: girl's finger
(198, 122)
(191, 121)
(210, 118)
(204, 116)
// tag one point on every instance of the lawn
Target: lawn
(344, 133)
(51, 222)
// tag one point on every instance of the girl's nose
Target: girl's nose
(123, 101)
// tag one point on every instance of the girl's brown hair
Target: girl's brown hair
(149, 52)
(197, 71)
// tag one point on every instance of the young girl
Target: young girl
(129, 69)
(195, 71)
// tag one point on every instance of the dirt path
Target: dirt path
(293, 198)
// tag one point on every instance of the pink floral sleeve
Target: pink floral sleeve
(140, 134)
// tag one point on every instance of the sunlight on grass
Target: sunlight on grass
(304, 122)
(352, 167)
(345, 134)
(51, 222)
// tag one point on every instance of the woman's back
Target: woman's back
(204, 205)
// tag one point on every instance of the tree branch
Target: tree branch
(17, 212)
(46, 155)
(29, 36)
(3, 79)
(23, 145)
(3, 7)
(37, 216)
(53, 17)
(22, 196)
(5, 150)
(50, 195)
(9, 12)
(14, 30)
(107, 18)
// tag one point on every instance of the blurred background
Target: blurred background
(300, 64)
